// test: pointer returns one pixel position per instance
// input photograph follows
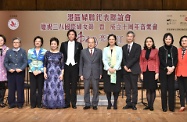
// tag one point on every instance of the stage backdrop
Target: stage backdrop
(98, 24)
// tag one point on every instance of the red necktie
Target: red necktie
(91, 53)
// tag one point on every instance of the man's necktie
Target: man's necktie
(91, 53)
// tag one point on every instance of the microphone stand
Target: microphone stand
(142, 102)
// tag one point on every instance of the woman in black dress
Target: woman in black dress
(149, 63)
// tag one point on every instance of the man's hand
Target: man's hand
(129, 70)
(100, 76)
(125, 68)
(82, 78)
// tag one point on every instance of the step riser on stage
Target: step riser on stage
(102, 100)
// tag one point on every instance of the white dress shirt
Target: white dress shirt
(92, 50)
(71, 53)
(37, 52)
(130, 46)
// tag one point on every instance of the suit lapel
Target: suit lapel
(76, 46)
(132, 49)
(126, 49)
(66, 47)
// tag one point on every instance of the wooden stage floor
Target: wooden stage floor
(26, 114)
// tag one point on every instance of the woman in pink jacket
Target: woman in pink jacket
(3, 72)
(149, 63)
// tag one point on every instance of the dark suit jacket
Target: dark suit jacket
(132, 60)
(90, 64)
(64, 50)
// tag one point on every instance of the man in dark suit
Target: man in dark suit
(131, 55)
(90, 70)
(71, 50)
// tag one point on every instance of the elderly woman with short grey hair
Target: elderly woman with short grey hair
(15, 62)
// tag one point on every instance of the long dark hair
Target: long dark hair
(145, 46)
(114, 38)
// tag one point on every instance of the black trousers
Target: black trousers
(71, 77)
(131, 88)
(36, 87)
(2, 91)
(16, 83)
(182, 89)
(167, 89)
(115, 94)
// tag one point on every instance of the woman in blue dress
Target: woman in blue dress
(53, 95)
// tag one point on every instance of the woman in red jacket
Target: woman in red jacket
(149, 63)
(181, 71)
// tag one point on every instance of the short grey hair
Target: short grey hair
(16, 38)
(131, 32)
(92, 38)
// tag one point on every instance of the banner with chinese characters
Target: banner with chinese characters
(97, 24)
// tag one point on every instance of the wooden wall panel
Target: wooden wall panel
(150, 4)
(175, 5)
(109, 4)
(68, 4)
(129, 4)
(19, 4)
(93, 4)
(1, 4)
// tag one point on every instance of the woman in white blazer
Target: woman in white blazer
(112, 58)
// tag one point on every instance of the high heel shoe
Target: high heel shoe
(182, 109)
(109, 106)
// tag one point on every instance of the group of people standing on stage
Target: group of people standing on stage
(57, 71)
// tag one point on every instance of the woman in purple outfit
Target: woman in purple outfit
(53, 94)
(3, 72)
